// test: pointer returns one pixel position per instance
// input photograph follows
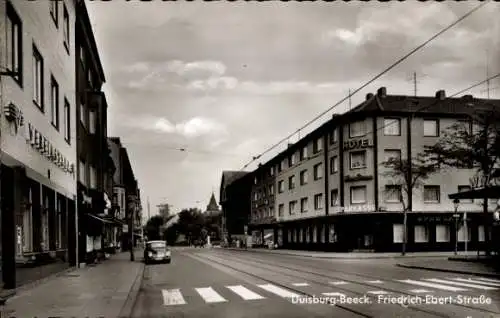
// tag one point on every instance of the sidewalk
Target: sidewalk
(105, 290)
(352, 255)
(455, 266)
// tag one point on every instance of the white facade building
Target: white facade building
(38, 120)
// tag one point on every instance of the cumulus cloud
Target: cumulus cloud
(191, 128)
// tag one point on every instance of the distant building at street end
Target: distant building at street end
(332, 192)
(164, 210)
(234, 198)
(212, 207)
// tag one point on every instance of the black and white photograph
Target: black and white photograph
(241, 159)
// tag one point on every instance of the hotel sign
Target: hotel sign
(354, 208)
(358, 144)
(43, 146)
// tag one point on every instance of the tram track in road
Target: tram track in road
(308, 265)
(274, 268)
(301, 292)
(309, 259)
(276, 283)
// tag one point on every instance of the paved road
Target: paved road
(222, 283)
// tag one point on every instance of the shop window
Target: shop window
(28, 224)
(442, 233)
(421, 234)
(464, 235)
(315, 234)
(480, 233)
(397, 233)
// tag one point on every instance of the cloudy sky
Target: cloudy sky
(226, 80)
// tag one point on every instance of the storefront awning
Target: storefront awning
(492, 192)
(100, 219)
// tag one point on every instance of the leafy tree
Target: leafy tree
(407, 175)
(154, 228)
(475, 144)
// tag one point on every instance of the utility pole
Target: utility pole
(149, 210)
(415, 83)
(487, 75)
(350, 99)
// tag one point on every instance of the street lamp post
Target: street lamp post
(456, 216)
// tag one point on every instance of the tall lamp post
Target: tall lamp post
(456, 216)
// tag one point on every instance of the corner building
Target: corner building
(332, 193)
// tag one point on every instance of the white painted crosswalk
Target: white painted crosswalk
(244, 292)
(258, 292)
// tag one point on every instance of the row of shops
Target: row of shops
(384, 232)
(375, 232)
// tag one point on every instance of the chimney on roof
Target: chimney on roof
(369, 95)
(382, 92)
(289, 145)
(441, 94)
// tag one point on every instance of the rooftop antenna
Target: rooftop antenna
(415, 82)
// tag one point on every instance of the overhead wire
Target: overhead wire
(424, 107)
(368, 83)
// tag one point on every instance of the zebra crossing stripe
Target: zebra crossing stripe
(333, 294)
(172, 297)
(339, 283)
(279, 291)
(209, 295)
(419, 291)
(432, 285)
(435, 280)
(244, 292)
(489, 280)
(470, 280)
(300, 284)
(378, 292)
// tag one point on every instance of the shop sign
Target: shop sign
(480, 181)
(354, 208)
(358, 144)
(41, 144)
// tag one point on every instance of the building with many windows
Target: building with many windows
(333, 192)
(95, 167)
(38, 144)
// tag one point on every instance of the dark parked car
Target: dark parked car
(157, 251)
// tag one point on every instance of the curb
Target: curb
(338, 257)
(490, 275)
(129, 304)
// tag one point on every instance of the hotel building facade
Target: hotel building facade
(332, 192)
